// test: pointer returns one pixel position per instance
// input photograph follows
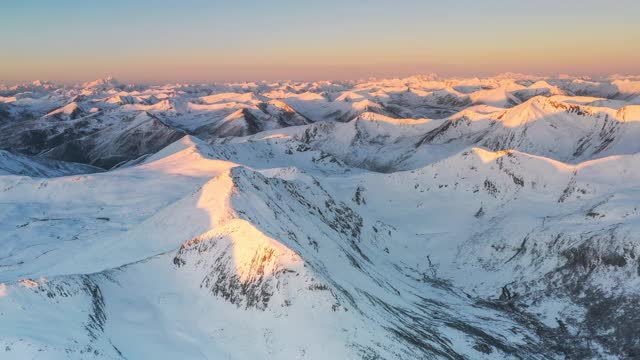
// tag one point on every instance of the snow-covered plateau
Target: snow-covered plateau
(415, 218)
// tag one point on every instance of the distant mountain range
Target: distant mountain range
(415, 218)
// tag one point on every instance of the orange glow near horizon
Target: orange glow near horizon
(218, 41)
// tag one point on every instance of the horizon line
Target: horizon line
(373, 77)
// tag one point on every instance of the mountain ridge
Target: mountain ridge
(425, 217)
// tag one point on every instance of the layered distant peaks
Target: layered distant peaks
(37, 86)
(107, 83)
(541, 115)
(43, 84)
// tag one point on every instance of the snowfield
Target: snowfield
(417, 218)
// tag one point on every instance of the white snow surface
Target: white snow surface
(417, 218)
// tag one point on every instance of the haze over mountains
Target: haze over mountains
(424, 217)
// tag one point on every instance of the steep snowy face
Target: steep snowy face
(420, 218)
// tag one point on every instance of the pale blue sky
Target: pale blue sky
(191, 40)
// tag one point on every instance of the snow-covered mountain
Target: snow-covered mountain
(417, 218)
(17, 164)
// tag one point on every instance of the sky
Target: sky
(202, 41)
